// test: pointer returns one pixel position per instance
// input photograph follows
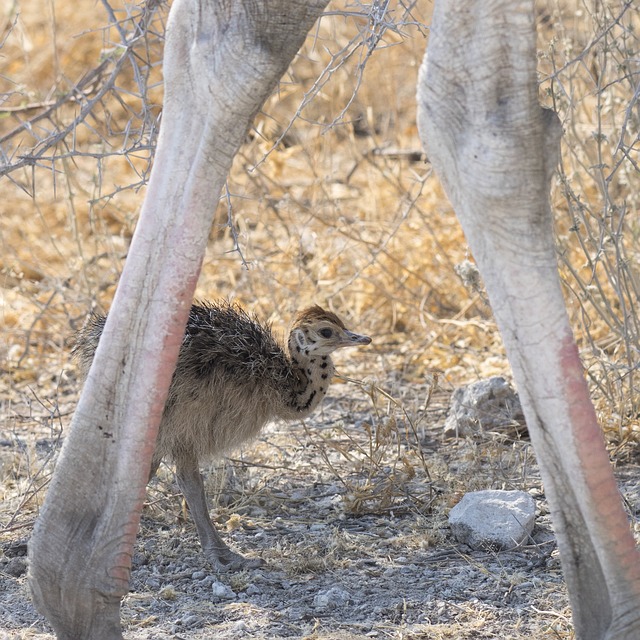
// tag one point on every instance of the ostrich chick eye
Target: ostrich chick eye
(326, 333)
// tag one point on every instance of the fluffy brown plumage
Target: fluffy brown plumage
(232, 377)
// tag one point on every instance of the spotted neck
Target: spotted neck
(313, 376)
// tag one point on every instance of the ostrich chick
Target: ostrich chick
(232, 377)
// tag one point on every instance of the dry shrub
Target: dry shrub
(387, 470)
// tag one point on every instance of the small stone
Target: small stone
(252, 590)
(15, 549)
(139, 560)
(487, 405)
(152, 583)
(222, 591)
(331, 598)
(190, 621)
(493, 519)
(198, 575)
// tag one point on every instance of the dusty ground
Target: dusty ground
(349, 511)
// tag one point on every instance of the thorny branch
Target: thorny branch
(89, 92)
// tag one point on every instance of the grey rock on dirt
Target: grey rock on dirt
(331, 598)
(222, 591)
(493, 519)
(487, 405)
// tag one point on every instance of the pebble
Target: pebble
(222, 591)
(190, 621)
(487, 405)
(139, 559)
(333, 597)
(493, 519)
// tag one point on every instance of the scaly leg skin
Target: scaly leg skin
(218, 554)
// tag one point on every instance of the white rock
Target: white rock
(331, 598)
(487, 405)
(222, 591)
(493, 519)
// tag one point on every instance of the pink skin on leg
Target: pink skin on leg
(609, 522)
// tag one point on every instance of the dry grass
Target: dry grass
(328, 202)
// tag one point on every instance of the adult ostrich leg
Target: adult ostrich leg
(495, 150)
(222, 59)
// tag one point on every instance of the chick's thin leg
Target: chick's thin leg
(217, 552)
